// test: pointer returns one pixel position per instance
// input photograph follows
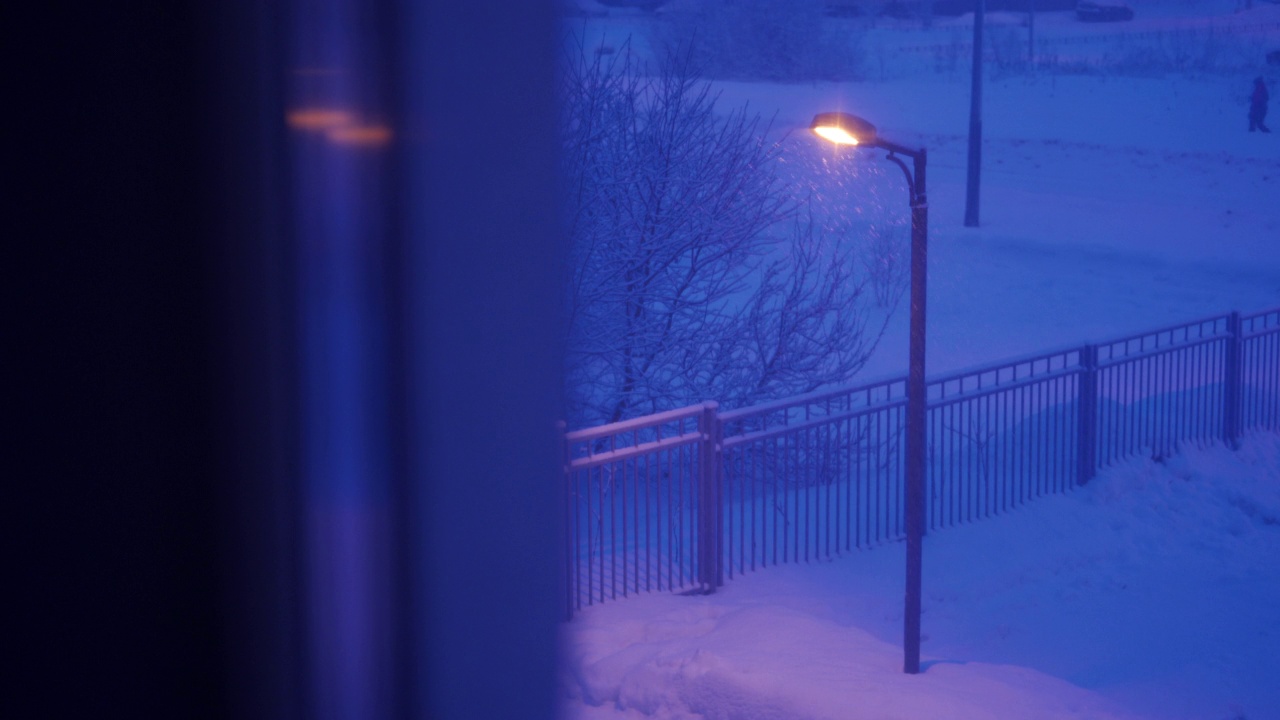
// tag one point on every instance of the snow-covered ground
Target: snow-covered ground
(1110, 205)
(1152, 592)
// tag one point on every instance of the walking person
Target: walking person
(1258, 106)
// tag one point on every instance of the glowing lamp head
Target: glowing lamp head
(843, 129)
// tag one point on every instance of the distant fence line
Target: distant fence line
(965, 47)
(682, 500)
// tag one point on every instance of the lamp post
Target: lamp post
(845, 129)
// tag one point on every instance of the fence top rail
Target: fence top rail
(976, 393)
(1216, 326)
(820, 396)
(640, 423)
(1139, 356)
(1260, 322)
(1016, 369)
(755, 436)
(651, 447)
(890, 390)
(1005, 372)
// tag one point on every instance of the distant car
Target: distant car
(1089, 11)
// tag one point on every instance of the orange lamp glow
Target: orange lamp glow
(835, 134)
(362, 135)
(318, 118)
(843, 129)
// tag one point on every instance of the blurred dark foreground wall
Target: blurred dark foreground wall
(279, 394)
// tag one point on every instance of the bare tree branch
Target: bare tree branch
(695, 275)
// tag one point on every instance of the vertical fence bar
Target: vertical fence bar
(567, 526)
(1088, 404)
(649, 518)
(673, 485)
(710, 570)
(1231, 382)
(717, 495)
(1265, 405)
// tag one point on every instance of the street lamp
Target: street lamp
(845, 129)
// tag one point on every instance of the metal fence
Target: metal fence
(640, 501)
(682, 500)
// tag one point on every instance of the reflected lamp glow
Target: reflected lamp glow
(318, 118)
(361, 135)
(339, 127)
(843, 129)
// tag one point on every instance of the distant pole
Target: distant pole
(1031, 34)
(975, 123)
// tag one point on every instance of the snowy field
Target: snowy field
(1111, 204)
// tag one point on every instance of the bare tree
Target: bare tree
(694, 273)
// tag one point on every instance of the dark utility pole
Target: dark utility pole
(845, 129)
(917, 410)
(975, 123)
(916, 415)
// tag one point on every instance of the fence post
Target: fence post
(1231, 382)
(1087, 435)
(709, 541)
